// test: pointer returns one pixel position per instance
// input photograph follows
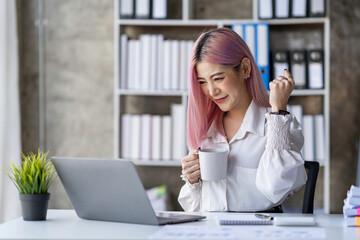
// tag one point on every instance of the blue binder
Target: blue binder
(256, 36)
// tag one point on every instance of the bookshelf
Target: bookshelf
(192, 27)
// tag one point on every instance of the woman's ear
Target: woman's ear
(245, 66)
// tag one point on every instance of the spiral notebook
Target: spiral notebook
(241, 219)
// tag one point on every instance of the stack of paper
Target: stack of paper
(351, 207)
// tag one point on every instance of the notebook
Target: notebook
(241, 219)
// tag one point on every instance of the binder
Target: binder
(298, 68)
(317, 8)
(135, 145)
(145, 41)
(159, 9)
(153, 61)
(123, 60)
(175, 62)
(167, 70)
(265, 9)
(126, 8)
(280, 61)
(282, 8)
(298, 8)
(256, 37)
(166, 137)
(316, 69)
(262, 52)
(146, 136)
(142, 9)
(250, 37)
(125, 135)
(156, 137)
(308, 130)
(319, 137)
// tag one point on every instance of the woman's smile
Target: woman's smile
(220, 100)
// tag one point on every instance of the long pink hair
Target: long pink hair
(225, 47)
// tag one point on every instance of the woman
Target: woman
(230, 108)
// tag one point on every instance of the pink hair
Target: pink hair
(225, 47)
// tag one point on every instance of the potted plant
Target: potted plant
(33, 178)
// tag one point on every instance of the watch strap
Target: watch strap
(280, 112)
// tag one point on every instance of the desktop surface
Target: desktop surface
(64, 224)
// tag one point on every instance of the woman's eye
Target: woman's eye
(202, 82)
(217, 79)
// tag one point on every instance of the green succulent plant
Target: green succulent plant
(34, 175)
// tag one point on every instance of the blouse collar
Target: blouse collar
(254, 122)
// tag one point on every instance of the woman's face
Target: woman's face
(223, 85)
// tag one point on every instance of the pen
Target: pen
(263, 216)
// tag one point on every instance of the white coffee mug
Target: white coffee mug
(213, 163)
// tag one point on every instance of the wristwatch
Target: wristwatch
(280, 112)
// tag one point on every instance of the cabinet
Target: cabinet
(184, 25)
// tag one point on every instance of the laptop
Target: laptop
(110, 190)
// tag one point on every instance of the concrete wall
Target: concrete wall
(79, 85)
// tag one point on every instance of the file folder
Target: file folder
(282, 8)
(298, 68)
(126, 8)
(317, 8)
(298, 8)
(159, 9)
(142, 9)
(262, 52)
(265, 9)
(256, 36)
(316, 69)
(280, 61)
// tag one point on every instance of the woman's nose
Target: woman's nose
(213, 90)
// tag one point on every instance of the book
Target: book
(354, 191)
(145, 41)
(351, 212)
(352, 221)
(175, 58)
(352, 202)
(241, 219)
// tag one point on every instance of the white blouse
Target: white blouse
(265, 165)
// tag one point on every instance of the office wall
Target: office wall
(79, 87)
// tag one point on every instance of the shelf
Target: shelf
(150, 92)
(157, 163)
(215, 22)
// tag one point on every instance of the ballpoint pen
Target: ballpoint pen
(264, 216)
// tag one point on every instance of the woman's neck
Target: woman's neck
(239, 111)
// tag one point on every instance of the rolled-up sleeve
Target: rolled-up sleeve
(190, 196)
(281, 168)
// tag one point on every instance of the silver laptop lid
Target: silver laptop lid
(107, 190)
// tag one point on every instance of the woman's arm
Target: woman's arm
(281, 168)
(190, 193)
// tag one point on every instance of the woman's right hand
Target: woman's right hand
(191, 167)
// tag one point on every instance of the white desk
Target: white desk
(64, 224)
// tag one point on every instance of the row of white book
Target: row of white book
(313, 127)
(152, 63)
(351, 207)
(154, 137)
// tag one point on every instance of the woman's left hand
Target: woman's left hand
(280, 90)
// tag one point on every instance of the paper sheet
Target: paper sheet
(238, 232)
